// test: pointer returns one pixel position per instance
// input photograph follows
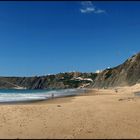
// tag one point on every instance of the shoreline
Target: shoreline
(82, 93)
(97, 114)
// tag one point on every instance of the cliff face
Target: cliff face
(58, 81)
(127, 73)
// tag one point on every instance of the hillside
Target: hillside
(127, 73)
(58, 81)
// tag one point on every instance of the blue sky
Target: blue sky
(38, 38)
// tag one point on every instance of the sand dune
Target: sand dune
(98, 114)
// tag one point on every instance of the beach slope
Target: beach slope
(107, 113)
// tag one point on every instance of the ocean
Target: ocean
(23, 95)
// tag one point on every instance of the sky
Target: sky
(40, 38)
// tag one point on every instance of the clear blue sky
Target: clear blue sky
(38, 38)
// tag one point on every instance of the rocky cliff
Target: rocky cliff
(127, 73)
(58, 81)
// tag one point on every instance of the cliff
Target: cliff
(58, 81)
(127, 73)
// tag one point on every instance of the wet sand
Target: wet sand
(99, 114)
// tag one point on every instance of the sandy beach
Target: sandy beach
(102, 113)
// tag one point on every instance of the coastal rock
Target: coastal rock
(127, 73)
(58, 81)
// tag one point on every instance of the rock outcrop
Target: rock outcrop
(127, 73)
(58, 81)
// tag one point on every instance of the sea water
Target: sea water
(20, 95)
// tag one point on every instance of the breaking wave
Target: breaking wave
(35, 95)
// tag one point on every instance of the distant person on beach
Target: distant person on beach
(52, 95)
(116, 90)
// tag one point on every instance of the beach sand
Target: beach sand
(98, 114)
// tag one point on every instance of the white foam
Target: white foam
(32, 96)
